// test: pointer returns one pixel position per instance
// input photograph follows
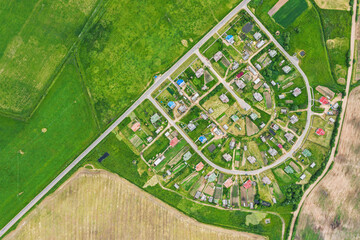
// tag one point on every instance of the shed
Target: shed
(171, 104)
(211, 148)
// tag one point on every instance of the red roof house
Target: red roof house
(135, 126)
(247, 184)
(240, 75)
(324, 100)
(174, 141)
(199, 166)
(320, 132)
(280, 146)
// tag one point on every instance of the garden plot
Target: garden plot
(324, 124)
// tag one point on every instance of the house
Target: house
(217, 131)
(235, 65)
(158, 130)
(199, 166)
(224, 202)
(280, 146)
(210, 111)
(202, 139)
(224, 98)
(149, 139)
(211, 199)
(171, 105)
(272, 132)
(225, 127)
(260, 44)
(267, 221)
(187, 156)
(265, 203)
(182, 108)
(212, 177)
(135, 126)
(258, 66)
(266, 86)
(272, 152)
(218, 56)
(257, 81)
(228, 182)
(180, 82)
(266, 180)
(234, 118)
(176, 186)
(296, 92)
(320, 132)
(283, 111)
(331, 120)
(232, 144)
(335, 106)
(159, 160)
(204, 116)
(258, 97)
(253, 116)
(247, 184)
(227, 157)
(174, 141)
(286, 69)
(197, 195)
(323, 100)
(203, 198)
(302, 177)
(252, 70)
(272, 53)
(263, 139)
(312, 165)
(281, 96)
(251, 159)
(257, 36)
(211, 148)
(294, 119)
(273, 83)
(199, 72)
(262, 125)
(195, 97)
(246, 55)
(289, 136)
(275, 126)
(239, 75)
(240, 84)
(230, 39)
(168, 172)
(191, 127)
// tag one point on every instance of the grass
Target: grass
(66, 114)
(156, 147)
(36, 39)
(134, 40)
(291, 10)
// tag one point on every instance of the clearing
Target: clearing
(92, 204)
(333, 4)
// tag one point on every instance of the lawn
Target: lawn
(35, 41)
(33, 153)
(291, 10)
(135, 40)
(156, 147)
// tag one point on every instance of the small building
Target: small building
(266, 180)
(257, 36)
(260, 44)
(275, 126)
(251, 159)
(217, 131)
(283, 111)
(263, 139)
(203, 198)
(197, 195)
(224, 98)
(230, 39)
(258, 66)
(180, 82)
(225, 127)
(265, 203)
(174, 141)
(171, 105)
(159, 160)
(202, 139)
(149, 139)
(211, 148)
(335, 106)
(272, 132)
(280, 146)
(204, 116)
(191, 127)
(239, 75)
(266, 86)
(224, 202)
(262, 125)
(294, 119)
(228, 183)
(272, 152)
(274, 200)
(320, 132)
(234, 117)
(258, 97)
(227, 157)
(218, 56)
(187, 156)
(232, 143)
(286, 69)
(195, 97)
(281, 96)
(272, 53)
(331, 120)
(176, 186)
(210, 111)
(199, 72)
(323, 100)
(312, 165)
(252, 70)
(135, 126)
(247, 27)
(199, 166)
(303, 176)
(273, 83)
(247, 184)
(240, 84)
(235, 65)
(267, 221)
(168, 172)
(289, 136)
(257, 81)
(253, 116)
(296, 92)
(211, 199)
(306, 153)
(182, 108)
(302, 53)
(246, 55)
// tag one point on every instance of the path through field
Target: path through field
(95, 204)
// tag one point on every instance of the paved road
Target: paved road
(342, 118)
(123, 116)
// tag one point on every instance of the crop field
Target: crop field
(291, 10)
(34, 42)
(332, 206)
(87, 206)
(133, 41)
(333, 4)
(34, 152)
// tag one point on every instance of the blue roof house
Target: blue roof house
(230, 39)
(180, 82)
(171, 104)
(202, 139)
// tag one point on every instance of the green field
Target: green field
(135, 40)
(67, 117)
(291, 10)
(35, 39)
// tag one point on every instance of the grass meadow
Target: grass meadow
(35, 39)
(134, 40)
(33, 153)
